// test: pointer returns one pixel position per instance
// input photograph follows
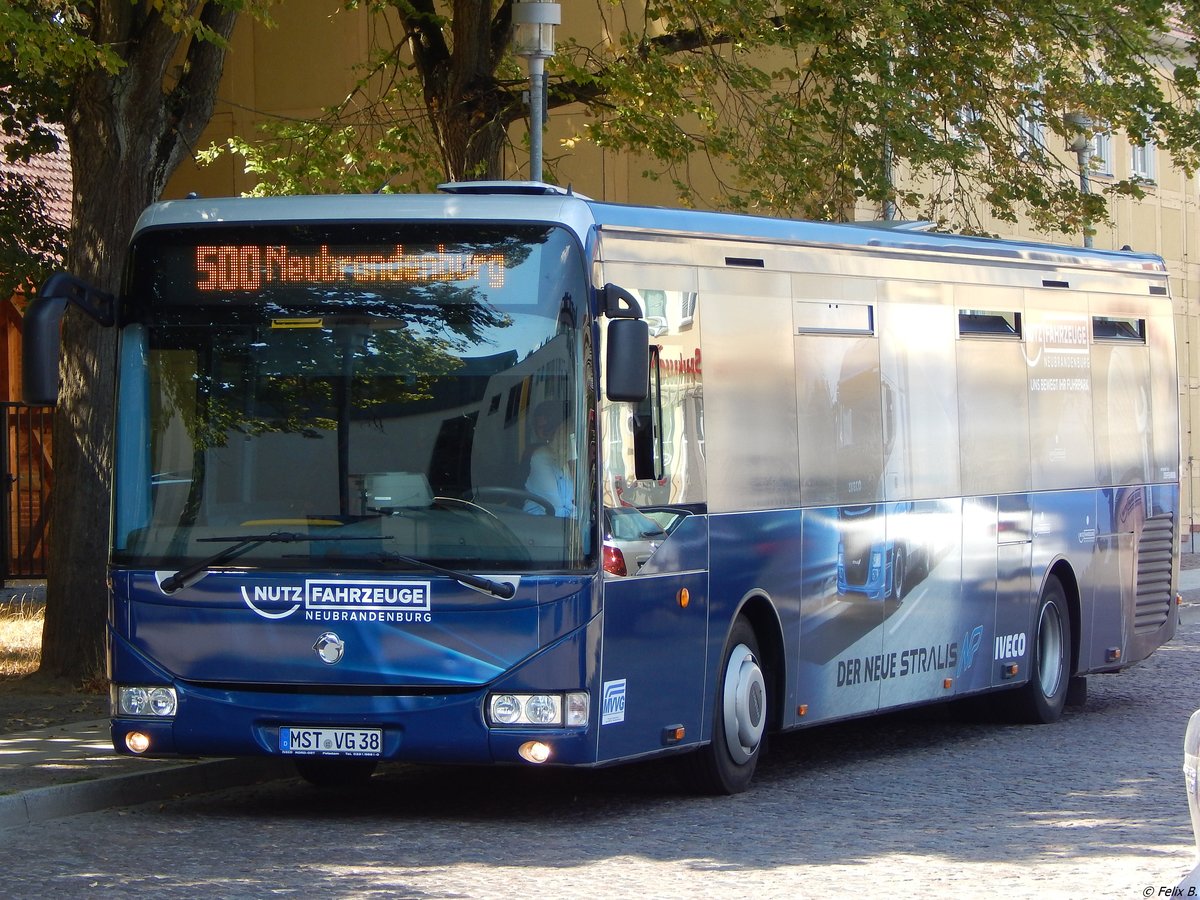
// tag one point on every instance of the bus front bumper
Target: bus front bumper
(433, 729)
(426, 725)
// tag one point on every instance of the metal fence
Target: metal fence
(27, 474)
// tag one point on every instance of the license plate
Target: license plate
(302, 741)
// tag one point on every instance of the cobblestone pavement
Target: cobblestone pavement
(917, 805)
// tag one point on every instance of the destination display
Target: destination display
(234, 268)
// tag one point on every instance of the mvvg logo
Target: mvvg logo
(612, 709)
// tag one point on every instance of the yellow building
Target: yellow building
(304, 63)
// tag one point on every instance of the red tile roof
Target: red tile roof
(52, 168)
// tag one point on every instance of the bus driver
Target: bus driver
(551, 471)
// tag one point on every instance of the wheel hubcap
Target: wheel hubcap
(1050, 650)
(744, 704)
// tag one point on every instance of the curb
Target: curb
(43, 804)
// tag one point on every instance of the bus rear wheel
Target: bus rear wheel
(1041, 701)
(726, 765)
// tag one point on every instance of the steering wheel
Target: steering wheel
(488, 516)
(509, 496)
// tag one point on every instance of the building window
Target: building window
(1031, 132)
(1142, 161)
(1102, 153)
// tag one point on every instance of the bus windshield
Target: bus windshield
(384, 390)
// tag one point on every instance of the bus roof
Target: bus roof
(533, 202)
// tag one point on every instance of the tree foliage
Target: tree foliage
(946, 110)
(31, 243)
(43, 46)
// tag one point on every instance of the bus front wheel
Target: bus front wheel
(726, 765)
(1041, 701)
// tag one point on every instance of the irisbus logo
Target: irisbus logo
(329, 600)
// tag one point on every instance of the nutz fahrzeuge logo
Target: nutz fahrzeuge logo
(334, 600)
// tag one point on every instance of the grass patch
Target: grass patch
(20, 639)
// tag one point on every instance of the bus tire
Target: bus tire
(335, 773)
(1042, 699)
(726, 765)
(1077, 690)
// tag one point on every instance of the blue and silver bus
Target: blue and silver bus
(364, 445)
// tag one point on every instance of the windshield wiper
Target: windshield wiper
(501, 589)
(242, 543)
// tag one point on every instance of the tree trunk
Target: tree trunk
(127, 133)
(107, 202)
(468, 110)
(471, 152)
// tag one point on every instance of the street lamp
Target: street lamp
(1080, 126)
(533, 41)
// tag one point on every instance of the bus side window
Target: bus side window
(648, 427)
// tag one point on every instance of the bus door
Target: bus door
(655, 629)
(655, 584)
(656, 535)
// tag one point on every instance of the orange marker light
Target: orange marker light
(684, 598)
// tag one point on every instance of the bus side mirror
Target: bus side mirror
(627, 361)
(620, 304)
(41, 333)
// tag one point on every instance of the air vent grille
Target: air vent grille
(1152, 603)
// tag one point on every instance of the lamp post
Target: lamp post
(1080, 125)
(533, 41)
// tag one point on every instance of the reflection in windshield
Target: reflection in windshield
(396, 415)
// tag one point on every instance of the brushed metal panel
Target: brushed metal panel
(1164, 393)
(840, 412)
(750, 391)
(1121, 401)
(993, 415)
(919, 393)
(1057, 345)
(645, 248)
(632, 276)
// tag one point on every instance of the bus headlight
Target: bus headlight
(568, 709)
(544, 709)
(146, 702)
(505, 709)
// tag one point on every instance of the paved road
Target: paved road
(906, 806)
